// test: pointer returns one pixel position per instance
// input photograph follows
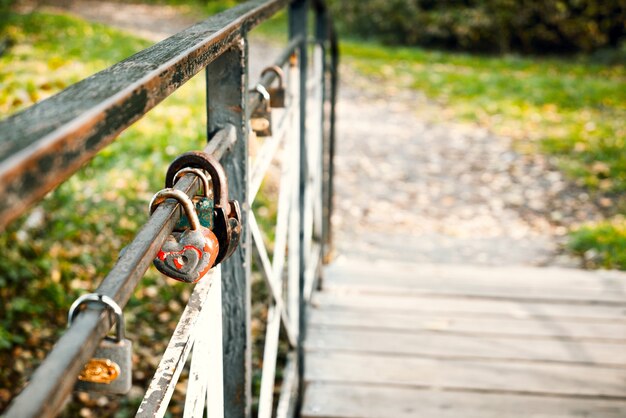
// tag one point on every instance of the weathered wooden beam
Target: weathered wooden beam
(45, 144)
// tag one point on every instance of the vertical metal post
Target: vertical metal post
(293, 160)
(227, 81)
(298, 12)
(334, 80)
(321, 38)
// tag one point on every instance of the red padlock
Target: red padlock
(187, 256)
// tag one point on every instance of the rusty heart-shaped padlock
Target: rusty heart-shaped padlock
(187, 256)
(227, 214)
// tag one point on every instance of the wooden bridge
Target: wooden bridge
(393, 339)
(367, 337)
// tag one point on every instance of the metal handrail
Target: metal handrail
(45, 144)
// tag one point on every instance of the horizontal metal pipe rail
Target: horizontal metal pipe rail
(45, 144)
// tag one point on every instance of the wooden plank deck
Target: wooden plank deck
(388, 339)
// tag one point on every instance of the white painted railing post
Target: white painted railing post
(206, 375)
(215, 381)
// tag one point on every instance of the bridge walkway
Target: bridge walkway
(400, 339)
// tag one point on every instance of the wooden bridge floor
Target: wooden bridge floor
(394, 340)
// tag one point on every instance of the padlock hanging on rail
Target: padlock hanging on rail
(261, 118)
(277, 94)
(189, 255)
(110, 368)
(227, 214)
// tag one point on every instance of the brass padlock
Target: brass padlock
(110, 369)
(277, 94)
(261, 118)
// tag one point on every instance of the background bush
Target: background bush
(529, 26)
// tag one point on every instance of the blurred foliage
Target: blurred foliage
(65, 245)
(206, 7)
(5, 7)
(53, 51)
(602, 244)
(573, 109)
(529, 26)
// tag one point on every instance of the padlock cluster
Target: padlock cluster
(205, 235)
(208, 232)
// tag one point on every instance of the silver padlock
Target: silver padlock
(110, 369)
(277, 94)
(261, 118)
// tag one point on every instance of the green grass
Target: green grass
(52, 52)
(572, 109)
(602, 244)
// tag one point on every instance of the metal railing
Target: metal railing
(45, 144)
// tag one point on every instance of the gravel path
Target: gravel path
(411, 189)
(444, 192)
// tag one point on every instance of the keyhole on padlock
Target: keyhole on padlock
(180, 261)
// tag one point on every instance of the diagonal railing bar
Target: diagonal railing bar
(267, 152)
(273, 284)
(283, 212)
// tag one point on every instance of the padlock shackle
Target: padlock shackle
(208, 163)
(198, 173)
(260, 88)
(109, 304)
(276, 70)
(184, 201)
